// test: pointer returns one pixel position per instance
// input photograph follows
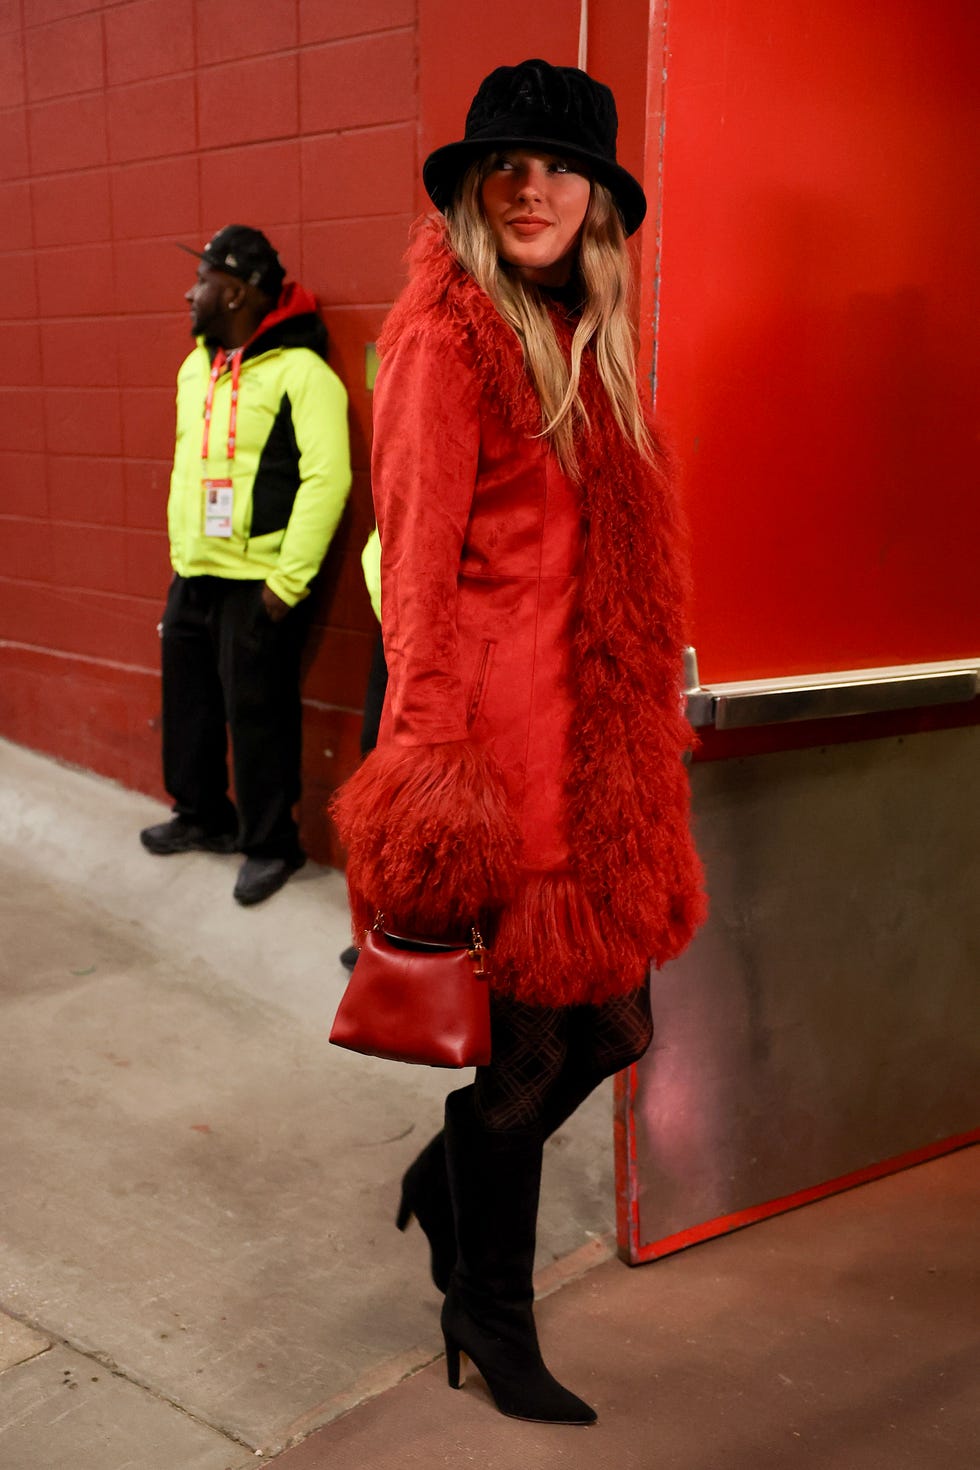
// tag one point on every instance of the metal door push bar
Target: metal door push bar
(748, 702)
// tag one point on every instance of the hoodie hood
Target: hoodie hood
(293, 322)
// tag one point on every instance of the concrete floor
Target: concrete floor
(198, 1191)
(843, 1336)
(197, 1261)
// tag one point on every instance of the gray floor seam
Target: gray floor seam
(93, 1355)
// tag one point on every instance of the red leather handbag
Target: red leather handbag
(417, 1000)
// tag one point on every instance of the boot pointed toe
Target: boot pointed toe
(502, 1344)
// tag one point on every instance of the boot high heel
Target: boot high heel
(503, 1345)
(454, 1364)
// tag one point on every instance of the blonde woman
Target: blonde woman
(528, 772)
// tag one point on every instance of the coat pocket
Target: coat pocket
(480, 680)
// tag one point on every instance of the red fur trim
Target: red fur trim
(442, 299)
(430, 838)
(555, 947)
(627, 787)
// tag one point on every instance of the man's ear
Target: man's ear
(235, 297)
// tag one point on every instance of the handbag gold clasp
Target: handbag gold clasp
(478, 954)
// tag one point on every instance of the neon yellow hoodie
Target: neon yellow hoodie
(371, 567)
(290, 469)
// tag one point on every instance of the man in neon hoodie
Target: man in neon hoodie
(261, 475)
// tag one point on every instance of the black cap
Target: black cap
(558, 109)
(240, 251)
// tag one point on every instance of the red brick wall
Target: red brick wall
(125, 127)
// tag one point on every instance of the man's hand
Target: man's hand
(274, 606)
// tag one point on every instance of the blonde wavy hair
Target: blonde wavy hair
(603, 268)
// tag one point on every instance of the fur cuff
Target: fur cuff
(555, 947)
(430, 837)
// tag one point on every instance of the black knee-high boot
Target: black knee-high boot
(494, 1180)
(425, 1186)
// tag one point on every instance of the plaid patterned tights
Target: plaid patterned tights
(547, 1061)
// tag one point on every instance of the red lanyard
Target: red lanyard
(221, 361)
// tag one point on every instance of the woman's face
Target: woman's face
(535, 204)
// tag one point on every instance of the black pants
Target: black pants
(374, 698)
(226, 663)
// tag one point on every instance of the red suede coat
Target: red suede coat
(529, 763)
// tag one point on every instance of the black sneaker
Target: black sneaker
(260, 878)
(179, 835)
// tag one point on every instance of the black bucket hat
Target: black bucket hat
(245, 253)
(535, 105)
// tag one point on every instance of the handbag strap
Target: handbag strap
(476, 949)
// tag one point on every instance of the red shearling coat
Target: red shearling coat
(528, 769)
